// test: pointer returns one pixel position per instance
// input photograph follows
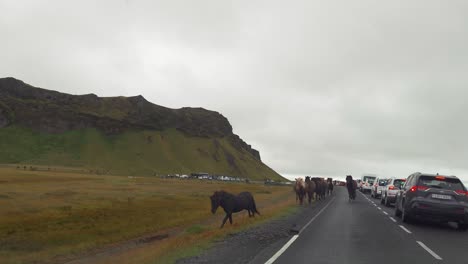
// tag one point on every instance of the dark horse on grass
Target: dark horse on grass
(233, 203)
(351, 185)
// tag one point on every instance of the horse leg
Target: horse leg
(224, 220)
(230, 219)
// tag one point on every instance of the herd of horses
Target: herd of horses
(313, 188)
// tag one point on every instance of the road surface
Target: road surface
(365, 231)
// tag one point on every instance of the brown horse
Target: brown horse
(233, 204)
(299, 188)
(320, 187)
(309, 189)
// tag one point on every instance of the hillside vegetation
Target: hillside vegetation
(132, 153)
(119, 135)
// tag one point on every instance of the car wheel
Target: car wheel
(405, 216)
(381, 200)
(387, 203)
(462, 226)
(397, 211)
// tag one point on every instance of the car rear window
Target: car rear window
(399, 183)
(441, 182)
(382, 182)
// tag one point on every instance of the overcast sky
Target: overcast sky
(318, 87)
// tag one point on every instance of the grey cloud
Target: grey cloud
(319, 87)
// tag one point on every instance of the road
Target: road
(365, 231)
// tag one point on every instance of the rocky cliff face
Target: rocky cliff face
(54, 112)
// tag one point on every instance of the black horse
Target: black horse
(330, 186)
(233, 204)
(351, 185)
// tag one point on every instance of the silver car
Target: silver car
(378, 187)
(390, 190)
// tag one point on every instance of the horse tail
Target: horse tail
(254, 206)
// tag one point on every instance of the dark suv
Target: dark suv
(435, 197)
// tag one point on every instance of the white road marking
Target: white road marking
(393, 219)
(429, 250)
(385, 213)
(406, 230)
(379, 208)
(313, 218)
(277, 254)
(289, 243)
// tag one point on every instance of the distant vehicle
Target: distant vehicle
(435, 197)
(366, 183)
(377, 187)
(199, 174)
(390, 190)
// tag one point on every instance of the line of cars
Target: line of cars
(422, 196)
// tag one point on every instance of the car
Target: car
(434, 197)
(377, 187)
(390, 190)
(366, 183)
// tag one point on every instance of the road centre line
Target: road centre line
(404, 228)
(289, 243)
(433, 254)
(429, 250)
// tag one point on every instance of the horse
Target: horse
(299, 188)
(351, 185)
(233, 204)
(320, 188)
(330, 186)
(310, 188)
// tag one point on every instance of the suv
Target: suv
(390, 190)
(437, 197)
(377, 187)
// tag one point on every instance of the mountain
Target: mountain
(123, 135)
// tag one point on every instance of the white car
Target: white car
(378, 187)
(390, 191)
(366, 183)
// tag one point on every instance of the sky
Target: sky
(323, 88)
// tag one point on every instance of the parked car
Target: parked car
(366, 183)
(377, 187)
(435, 197)
(390, 190)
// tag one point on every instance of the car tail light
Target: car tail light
(462, 192)
(391, 187)
(418, 188)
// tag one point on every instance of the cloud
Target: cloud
(320, 88)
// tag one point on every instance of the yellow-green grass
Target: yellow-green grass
(131, 153)
(47, 216)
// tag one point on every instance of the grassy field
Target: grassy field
(50, 216)
(130, 153)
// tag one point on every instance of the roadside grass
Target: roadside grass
(187, 245)
(48, 216)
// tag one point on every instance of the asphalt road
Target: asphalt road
(364, 231)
